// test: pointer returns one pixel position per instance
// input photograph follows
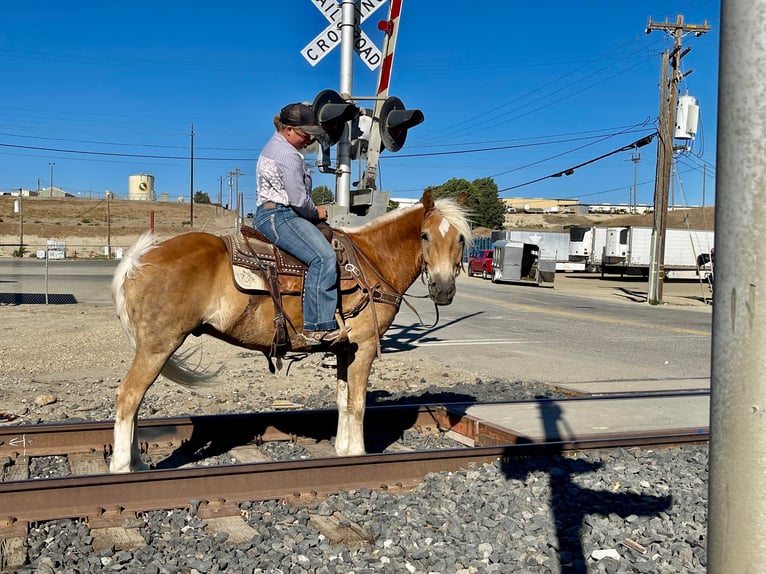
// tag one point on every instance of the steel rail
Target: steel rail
(239, 429)
(108, 499)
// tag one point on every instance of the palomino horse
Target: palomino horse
(185, 286)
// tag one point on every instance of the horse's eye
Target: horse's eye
(424, 236)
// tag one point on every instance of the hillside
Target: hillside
(693, 218)
(83, 223)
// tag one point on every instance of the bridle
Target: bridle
(390, 295)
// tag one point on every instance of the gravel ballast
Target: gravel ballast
(629, 510)
(643, 511)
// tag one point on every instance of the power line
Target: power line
(114, 154)
(569, 171)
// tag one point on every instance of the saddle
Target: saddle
(260, 266)
(252, 251)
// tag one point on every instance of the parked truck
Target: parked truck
(481, 264)
(586, 246)
(627, 250)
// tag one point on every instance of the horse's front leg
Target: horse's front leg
(351, 394)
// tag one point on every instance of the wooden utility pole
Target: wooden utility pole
(237, 201)
(671, 76)
(191, 178)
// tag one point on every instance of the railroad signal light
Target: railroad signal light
(386, 26)
(361, 128)
(395, 121)
(333, 112)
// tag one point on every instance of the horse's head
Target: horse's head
(444, 235)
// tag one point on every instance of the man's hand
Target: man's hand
(322, 212)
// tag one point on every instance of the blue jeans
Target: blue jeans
(299, 237)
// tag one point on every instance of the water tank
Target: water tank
(687, 116)
(141, 187)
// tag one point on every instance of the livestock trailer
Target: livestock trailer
(519, 262)
(553, 245)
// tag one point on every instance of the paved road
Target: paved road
(528, 333)
(582, 329)
(65, 282)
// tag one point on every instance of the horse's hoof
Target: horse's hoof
(126, 468)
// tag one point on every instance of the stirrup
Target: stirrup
(325, 338)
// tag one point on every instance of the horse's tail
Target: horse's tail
(130, 262)
(178, 367)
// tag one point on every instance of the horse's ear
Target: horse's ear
(428, 199)
(462, 199)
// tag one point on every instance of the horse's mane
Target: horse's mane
(455, 214)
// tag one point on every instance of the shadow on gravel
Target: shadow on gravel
(37, 299)
(570, 503)
(400, 338)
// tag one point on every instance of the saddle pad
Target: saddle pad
(248, 280)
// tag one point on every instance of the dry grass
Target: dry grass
(87, 222)
(84, 221)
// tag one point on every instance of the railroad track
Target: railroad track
(182, 450)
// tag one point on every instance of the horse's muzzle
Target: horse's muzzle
(442, 292)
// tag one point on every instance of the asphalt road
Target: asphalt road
(516, 332)
(597, 331)
(65, 282)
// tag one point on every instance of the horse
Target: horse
(185, 285)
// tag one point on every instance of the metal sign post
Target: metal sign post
(346, 16)
(736, 489)
(330, 37)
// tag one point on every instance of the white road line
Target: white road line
(457, 342)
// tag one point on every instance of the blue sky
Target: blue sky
(515, 91)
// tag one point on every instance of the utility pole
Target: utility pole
(191, 178)
(736, 525)
(671, 76)
(234, 179)
(635, 158)
(220, 194)
(704, 178)
(108, 225)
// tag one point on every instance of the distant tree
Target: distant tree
(488, 204)
(453, 188)
(487, 210)
(322, 194)
(392, 205)
(201, 197)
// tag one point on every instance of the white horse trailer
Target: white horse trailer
(519, 262)
(553, 245)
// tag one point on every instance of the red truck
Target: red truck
(481, 264)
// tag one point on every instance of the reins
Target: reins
(393, 297)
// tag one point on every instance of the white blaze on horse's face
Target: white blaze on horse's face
(442, 255)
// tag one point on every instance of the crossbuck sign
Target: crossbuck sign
(323, 44)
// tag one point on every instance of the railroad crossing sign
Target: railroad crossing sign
(323, 44)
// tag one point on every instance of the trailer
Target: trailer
(553, 245)
(627, 251)
(519, 262)
(586, 246)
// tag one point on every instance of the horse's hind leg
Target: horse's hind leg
(143, 372)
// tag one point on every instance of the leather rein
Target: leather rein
(392, 297)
